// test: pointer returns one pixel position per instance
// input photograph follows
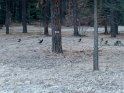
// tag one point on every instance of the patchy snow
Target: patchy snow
(30, 67)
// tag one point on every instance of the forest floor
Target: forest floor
(30, 67)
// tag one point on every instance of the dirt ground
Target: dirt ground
(30, 67)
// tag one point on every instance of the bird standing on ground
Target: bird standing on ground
(101, 40)
(40, 41)
(107, 43)
(79, 40)
(19, 40)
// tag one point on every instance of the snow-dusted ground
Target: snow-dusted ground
(30, 67)
(36, 28)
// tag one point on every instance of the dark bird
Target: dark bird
(101, 40)
(19, 40)
(118, 43)
(40, 41)
(79, 40)
(106, 43)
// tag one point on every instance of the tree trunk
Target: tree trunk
(95, 56)
(56, 26)
(20, 11)
(106, 29)
(63, 11)
(105, 24)
(69, 15)
(116, 27)
(24, 16)
(7, 23)
(116, 21)
(113, 28)
(46, 16)
(2, 13)
(113, 19)
(46, 31)
(75, 17)
(1, 26)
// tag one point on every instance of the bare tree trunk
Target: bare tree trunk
(95, 56)
(116, 22)
(1, 26)
(106, 25)
(116, 27)
(24, 16)
(7, 23)
(63, 11)
(56, 26)
(75, 17)
(2, 14)
(46, 16)
(113, 19)
(46, 31)
(113, 29)
(69, 15)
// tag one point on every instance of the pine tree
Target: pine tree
(8, 16)
(75, 17)
(46, 10)
(56, 26)
(2, 13)
(24, 16)
(95, 56)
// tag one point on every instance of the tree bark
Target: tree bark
(113, 19)
(113, 28)
(116, 22)
(63, 11)
(46, 16)
(24, 16)
(46, 31)
(95, 55)
(106, 25)
(75, 17)
(2, 13)
(116, 28)
(7, 22)
(56, 26)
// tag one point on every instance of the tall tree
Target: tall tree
(75, 17)
(95, 56)
(113, 30)
(46, 10)
(8, 16)
(113, 18)
(2, 13)
(106, 24)
(63, 11)
(24, 16)
(104, 11)
(56, 26)
(116, 21)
